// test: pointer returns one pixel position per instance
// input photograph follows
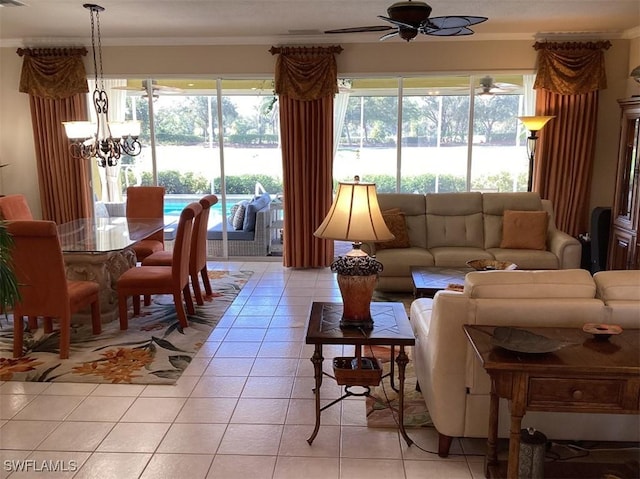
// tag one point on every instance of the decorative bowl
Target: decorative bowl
(602, 331)
(490, 265)
(523, 341)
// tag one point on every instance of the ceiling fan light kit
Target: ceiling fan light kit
(412, 17)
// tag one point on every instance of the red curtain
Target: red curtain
(55, 80)
(569, 77)
(306, 80)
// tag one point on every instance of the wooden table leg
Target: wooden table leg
(492, 438)
(317, 359)
(402, 361)
(518, 401)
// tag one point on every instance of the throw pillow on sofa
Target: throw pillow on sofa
(397, 224)
(524, 229)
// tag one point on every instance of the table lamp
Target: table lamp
(534, 124)
(355, 216)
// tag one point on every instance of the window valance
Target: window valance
(306, 73)
(571, 68)
(53, 73)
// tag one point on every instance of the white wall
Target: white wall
(420, 57)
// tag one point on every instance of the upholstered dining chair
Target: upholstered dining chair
(15, 207)
(198, 253)
(44, 289)
(146, 202)
(174, 279)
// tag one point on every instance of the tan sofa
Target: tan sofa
(449, 229)
(455, 386)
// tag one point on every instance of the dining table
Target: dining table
(100, 249)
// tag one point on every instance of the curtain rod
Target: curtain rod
(51, 52)
(331, 49)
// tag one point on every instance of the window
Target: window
(433, 152)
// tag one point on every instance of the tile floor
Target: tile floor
(243, 408)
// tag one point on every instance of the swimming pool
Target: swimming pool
(174, 204)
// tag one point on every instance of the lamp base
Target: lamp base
(357, 292)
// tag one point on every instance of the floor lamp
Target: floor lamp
(355, 216)
(534, 124)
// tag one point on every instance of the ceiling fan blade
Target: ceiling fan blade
(374, 28)
(448, 32)
(167, 89)
(396, 22)
(388, 35)
(454, 21)
(128, 88)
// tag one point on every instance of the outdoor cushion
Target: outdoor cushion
(252, 208)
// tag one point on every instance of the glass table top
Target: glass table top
(99, 235)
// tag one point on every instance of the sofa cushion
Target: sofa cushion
(252, 208)
(524, 229)
(454, 256)
(526, 258)
(566, 283)
(397, 224)
(454, 219)
(398, 262)
(414, 208)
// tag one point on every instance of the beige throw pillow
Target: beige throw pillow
(397, 224)
(524, 229)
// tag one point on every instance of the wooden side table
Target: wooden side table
(391, 327)
(588, 376)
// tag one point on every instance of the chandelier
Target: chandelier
(103, 140)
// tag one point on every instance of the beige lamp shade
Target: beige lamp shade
(355, 215)
(535, 123)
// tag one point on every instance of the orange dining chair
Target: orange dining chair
(174, 279)
(15, 207)
(198, 253)
(44, 289)
(146, 202)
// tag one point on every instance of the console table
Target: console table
(391, 327)
(588, 375)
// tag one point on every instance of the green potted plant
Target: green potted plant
(9, 292)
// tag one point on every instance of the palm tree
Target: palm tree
(9, 292)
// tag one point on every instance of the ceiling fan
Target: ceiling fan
(489, 87)
(412, 17)
(155, 89)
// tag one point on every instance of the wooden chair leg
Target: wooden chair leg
(18, 336)
(204, 273)
(33, 322)
(182, 316)
(444, 444)
(188, 300)
(96, 321)
(147, 299)
(48, 324)
(122, 312)
(197, 292)
(136, 305)
(65, 336)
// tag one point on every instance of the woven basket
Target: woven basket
(348, 375)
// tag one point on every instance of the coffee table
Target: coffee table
(428, 280)
(391, 327)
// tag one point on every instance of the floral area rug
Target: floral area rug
(382, 405)
(154, 350)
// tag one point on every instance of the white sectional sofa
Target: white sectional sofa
(455, 386)
(449, 229)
